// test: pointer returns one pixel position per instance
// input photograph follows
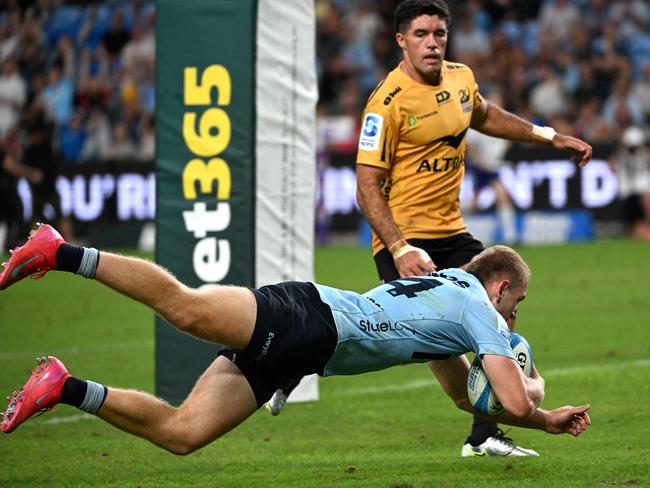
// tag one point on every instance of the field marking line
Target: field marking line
(72, 350)
(65, 420)
(426, 383)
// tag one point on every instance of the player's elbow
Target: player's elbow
(361, 200)
(463, 403)
(521, 408)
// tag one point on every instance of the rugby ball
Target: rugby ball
(479, 389)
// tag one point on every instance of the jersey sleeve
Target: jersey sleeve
(487, 329)
(378, 136)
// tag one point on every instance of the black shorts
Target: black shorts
(482, 177)
(448, 252)
(295, 335)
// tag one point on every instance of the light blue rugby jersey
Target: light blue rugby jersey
(414, 320)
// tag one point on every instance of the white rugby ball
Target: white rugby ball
(479, 389)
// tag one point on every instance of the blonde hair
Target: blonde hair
(497, 261)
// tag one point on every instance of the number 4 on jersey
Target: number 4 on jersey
(409, 287)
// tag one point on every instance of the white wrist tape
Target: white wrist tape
(547, 133)
(403, 250)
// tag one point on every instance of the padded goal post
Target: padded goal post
(235, 167)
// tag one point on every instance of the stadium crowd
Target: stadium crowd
(580, 66)
(80, 73)
(87, 69)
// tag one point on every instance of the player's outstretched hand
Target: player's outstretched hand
(580, 149)
(415, 262)
(568, 420)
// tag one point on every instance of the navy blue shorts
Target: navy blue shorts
(482, 177)
(295, 335)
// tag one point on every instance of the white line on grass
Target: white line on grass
(72, 350)
(65, 420)
(426, 383)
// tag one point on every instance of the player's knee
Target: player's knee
(184, 433)
(183, 443)
(180, 313)
(181, 449)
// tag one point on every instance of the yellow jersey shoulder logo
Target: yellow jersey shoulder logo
(371, 132)
(465, 102)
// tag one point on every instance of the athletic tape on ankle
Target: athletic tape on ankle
(88, 266)
(95, 395)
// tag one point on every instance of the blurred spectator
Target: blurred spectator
(632, 164)
(39, 155)
(631, 16)
(32, 54)
(11, 209)
(140, 50)
(485, 156)
(621, 96)
(72, 138)
(9, 34)
(122, 148)
(117, 35)
(547, 97)
(147, 146)
(93, 71)
(586, 87)
(58, 95)
(641, 90)
(13, 93)
(470, 44)
(558, 17)
(97, 143)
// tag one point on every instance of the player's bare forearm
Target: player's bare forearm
(563, 420)
(409, 260)
(497, 122)
(535, 389)
(452, 376)
(494, 121)
(374, 206)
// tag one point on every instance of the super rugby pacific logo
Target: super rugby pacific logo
(371, 132)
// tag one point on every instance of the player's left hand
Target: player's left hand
(568, 420)
(580, 149)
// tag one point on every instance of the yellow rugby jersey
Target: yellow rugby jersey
(418, 132)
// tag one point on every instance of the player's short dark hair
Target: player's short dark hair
(500, 261)
(410, 9)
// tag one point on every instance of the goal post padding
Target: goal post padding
(235, 164)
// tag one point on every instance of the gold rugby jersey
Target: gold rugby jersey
(418, 133)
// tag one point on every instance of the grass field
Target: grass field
(587, 317)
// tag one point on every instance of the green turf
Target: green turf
(587, 317)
